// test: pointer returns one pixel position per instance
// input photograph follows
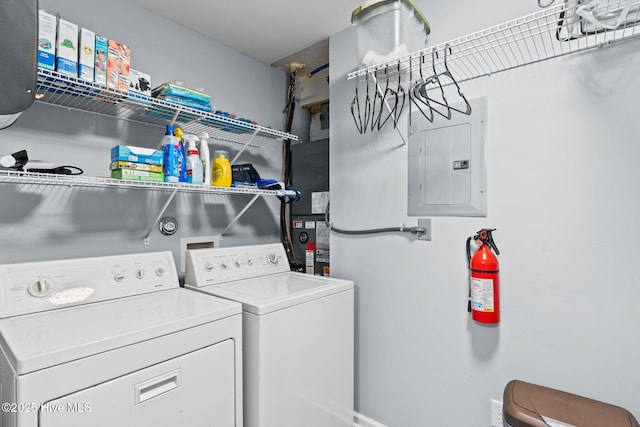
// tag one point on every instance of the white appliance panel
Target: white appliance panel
(69, 357)
(299, 364)
(49, 285)
(62, 380)
(191, 390)
(266, 294)
(45, 339)
(206, 267)
(298, 335)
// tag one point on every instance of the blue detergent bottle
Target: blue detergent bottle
(170, 156)
(182, 155)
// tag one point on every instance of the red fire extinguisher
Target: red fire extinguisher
(484, 291)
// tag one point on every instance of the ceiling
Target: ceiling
(272, 31)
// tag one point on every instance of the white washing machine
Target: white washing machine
(114, 341)
(298, 334)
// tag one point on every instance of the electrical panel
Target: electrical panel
(447, 164)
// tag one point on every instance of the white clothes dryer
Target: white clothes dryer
(298, 333)
(114, 341)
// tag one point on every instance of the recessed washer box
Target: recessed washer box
(198, 242)
(447, 163)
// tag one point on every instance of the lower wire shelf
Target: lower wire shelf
(17, 177)
(80, 181)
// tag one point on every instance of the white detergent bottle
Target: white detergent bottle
(194, 164)
(205, 157)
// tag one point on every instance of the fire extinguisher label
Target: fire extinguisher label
(482, 295)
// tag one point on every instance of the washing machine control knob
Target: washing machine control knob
(223, 266)
(140, 274)
(119, 277)
(249, 261)
(208, 267)
(272, 258)
(237, 264)
(41, 287)
(160, 271)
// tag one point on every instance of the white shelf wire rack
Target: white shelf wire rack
(549, 33)
(31, 178)
(73, 93)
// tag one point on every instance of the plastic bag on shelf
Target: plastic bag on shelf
(583, 17)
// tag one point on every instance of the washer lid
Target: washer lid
(274, 292)
(41, 340)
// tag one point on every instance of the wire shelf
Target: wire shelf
(549, 33)
(70, 92)
(31, 178)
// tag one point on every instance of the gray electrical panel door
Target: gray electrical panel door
(447, 163)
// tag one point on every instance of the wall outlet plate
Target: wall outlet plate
(496, 413)
(426, 224)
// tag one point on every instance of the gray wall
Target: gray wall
(563, 187)
(43, 222)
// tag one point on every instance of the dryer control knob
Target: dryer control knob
(223, 266)
(140, 274)
(41, 287)
(119, 277)
(208, 267)
(272, 258)
(160, 271)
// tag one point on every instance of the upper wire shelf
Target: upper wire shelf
(553, 32)
(32, 178)
(70, 92)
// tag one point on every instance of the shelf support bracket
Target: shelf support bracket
(244, 147)
(175, 117)
(162, 211)
(233, 221)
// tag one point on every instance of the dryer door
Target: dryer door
(196, 389)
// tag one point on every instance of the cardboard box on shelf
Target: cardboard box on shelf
(47, 28)
(113, 63)
(128, 153)
(101, 60)
(124, 67)
(87, 54)
(67, 50)
(140, 82)
(137, 175)
(133, 165)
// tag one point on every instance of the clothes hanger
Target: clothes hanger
(390, 92)
(435, 79)
(360, 122)
(384, 95)
(375, 122)
(447, 73)
(414, 93)
(367, 108)
(399, 90)
(355, 105)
